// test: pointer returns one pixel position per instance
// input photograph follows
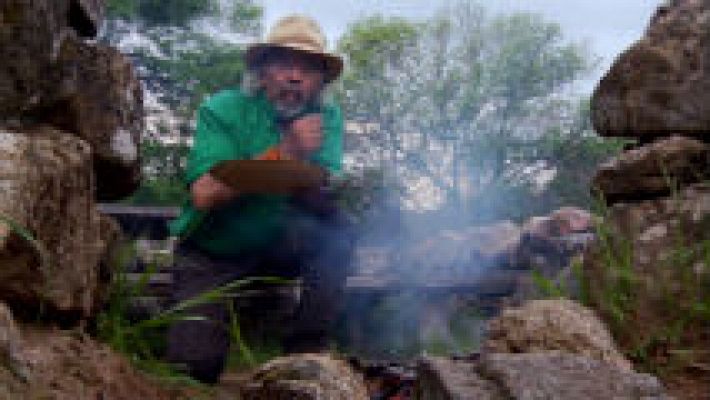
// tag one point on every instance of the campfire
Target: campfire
(386, 380)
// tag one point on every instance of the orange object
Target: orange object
(272, 154)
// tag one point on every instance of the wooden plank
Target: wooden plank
(138, 211)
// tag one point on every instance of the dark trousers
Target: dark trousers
(317, 250)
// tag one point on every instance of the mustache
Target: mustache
(291, 90)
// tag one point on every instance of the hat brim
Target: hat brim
(333, 63)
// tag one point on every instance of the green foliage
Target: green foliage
(483, 91)
(143, 340)
(160, 12)
(617, 299)
(246, 17)
(373, 42)
(547, 287)
(677, 297)
(192, 65)
(531, 59)
(159, 191)
(180, 66)
(163, 183)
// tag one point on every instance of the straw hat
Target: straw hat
(300, 33)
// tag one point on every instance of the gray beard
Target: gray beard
(289, 112)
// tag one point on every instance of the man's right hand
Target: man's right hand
(208, 192)
(303, 137)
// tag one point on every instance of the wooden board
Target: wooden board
(269, 177)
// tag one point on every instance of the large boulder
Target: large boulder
(661, 85)
(47, 193)
(50, 75)
(305, 377)
(99, 98)
(547, 375)
(544, 325)
(31, 32)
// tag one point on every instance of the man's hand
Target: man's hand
(303, 137)
(208, 192)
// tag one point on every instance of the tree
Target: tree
(160, 12)
(179, 62)
(467, 102)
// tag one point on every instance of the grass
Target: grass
(660, 317)
(143, 341)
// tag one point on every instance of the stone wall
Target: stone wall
(648, 273)
(71, 115)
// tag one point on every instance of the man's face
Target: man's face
(292, 80)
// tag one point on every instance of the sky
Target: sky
(608, 27)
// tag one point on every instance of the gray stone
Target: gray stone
(46, 189)
(12, 347)
(446, 379)
(31, 32)
(544, 325)
(99, 98)
(463, 254)
(304, 377)
(560, 376)
(654, 170)
(661, 85)
(543, 376)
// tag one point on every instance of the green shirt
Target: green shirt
(232, 126)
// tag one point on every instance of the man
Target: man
(279, 114)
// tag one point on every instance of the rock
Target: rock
(660, 85)
(305, 377)
(46, 183)
(543, 325)
(644, 273)
(113, 243)
(548, 243)
(67, 365)
(100, 99)
(85, 16)
(12, 347)
(446, 379)
(31, 32)
(560, 376)
(462, 254)
(654, 170)
(561, 222)
(546, 375)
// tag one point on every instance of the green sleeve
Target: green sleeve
(331, 153)
(214, 142)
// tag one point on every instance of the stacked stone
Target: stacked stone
(71, 115)
(659, 192)
(658, 92)
(546, 349)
